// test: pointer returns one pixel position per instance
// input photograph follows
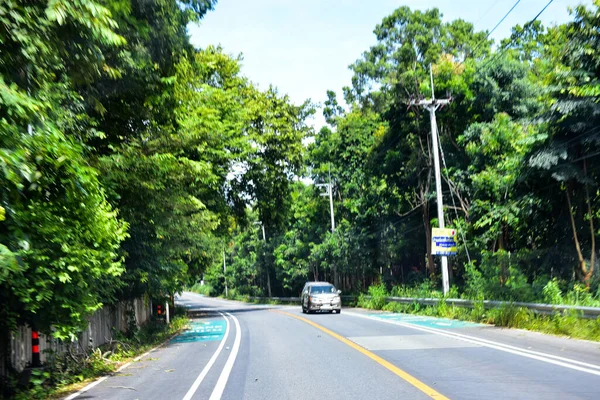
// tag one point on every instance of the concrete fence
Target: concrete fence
(101, 329)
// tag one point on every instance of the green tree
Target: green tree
(565, 160)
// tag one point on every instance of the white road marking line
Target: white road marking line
(122, 367)
(222, 382)
(209, 365)
(548, 358)
(85, 389)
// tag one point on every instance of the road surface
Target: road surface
(239, 351)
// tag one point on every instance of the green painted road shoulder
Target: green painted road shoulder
(430, 322)
(202, 331)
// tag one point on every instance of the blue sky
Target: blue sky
(304, 47)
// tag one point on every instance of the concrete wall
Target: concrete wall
(101, 329)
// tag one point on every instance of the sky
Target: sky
(304, 47)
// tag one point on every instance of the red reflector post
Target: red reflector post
(35, 349)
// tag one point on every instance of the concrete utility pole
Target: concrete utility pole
(168, 319)
(225, 271)
(432, 105)
(265, 240)
(329, 192)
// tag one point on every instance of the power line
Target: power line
(495, 27)
(489, 33)
(452, 196)
(488, 10)
(591, 130)
(527, 25)
(432, 105)
(395, 140)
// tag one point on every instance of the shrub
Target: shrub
(205, 289)
(552, 293)
(378, 294)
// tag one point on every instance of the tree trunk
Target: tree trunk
(581, 264)
(336, 280)
(427, 222)
(503, 272)
(590, 270)
(269, 283)
(427, 225)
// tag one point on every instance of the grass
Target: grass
(568, 324)
(563, 324)
(67, 373)
(205, 289)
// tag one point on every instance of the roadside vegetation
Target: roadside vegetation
(68, 372)
(133, 164)
(521, 183)
(569, 324)
(206, 290)
(117, 139)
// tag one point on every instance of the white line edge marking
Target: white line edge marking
(224, 377)
(102, 379)
(85, 389)
(209, 365)
(548, 358)
(508, 346)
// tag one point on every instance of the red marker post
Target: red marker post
(35, 349)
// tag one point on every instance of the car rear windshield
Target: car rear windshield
(322, 289)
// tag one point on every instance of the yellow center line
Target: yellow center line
(402, 374)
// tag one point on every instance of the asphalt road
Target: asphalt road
(239, 351)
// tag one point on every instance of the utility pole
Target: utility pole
(168, 319)
(329, 192)
(432, 105)
(225, 271)
(265, 240)
(28, 73)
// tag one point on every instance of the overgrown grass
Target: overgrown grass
(205, 289)
(69, 372)
(569, 324)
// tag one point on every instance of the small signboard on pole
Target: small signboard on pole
(443, 242)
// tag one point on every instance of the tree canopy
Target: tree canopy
(132, 162)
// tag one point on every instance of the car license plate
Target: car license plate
(326, 307)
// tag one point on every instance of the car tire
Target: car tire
(303, 310)
(339, 311)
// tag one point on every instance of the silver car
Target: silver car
(320, 296)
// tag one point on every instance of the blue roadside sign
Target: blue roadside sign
(443, 242)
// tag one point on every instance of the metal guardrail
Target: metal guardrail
(286, 299)
(586, 312)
